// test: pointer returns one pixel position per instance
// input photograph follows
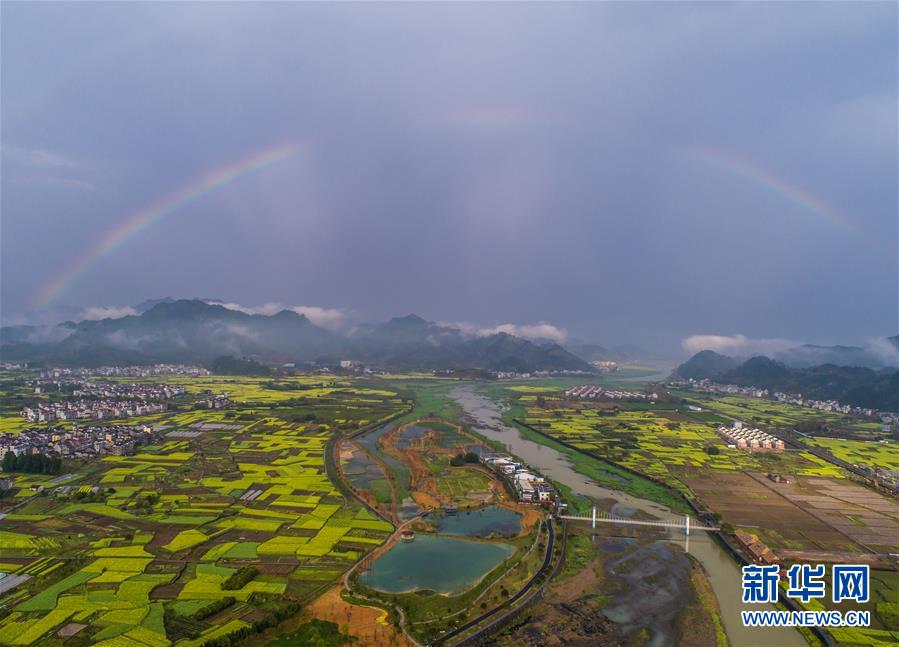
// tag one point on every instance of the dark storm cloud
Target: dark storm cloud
(487, 163)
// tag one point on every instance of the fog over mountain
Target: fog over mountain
(201, 331)
(882, 352)
(349, 333)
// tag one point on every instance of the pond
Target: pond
(481, 523)
(409, 434)
(361, 470)
(441, 564)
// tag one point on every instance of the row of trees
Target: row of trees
(276, 616)
(240, 578)
(31, 463)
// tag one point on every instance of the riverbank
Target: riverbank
(724, 574)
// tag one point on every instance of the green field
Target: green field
(769, 413)
(881, 455)
(140, 545)
(139, 548)
(665, 442)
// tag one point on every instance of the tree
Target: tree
(31, 463)
(712, 450)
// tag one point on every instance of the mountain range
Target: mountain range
(854, 385)
(877, 354)
(196, 331)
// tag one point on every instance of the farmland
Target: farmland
(227, 524)
(670, 442)
(762, 412)
(884, 456)
(663, 444)
(819, 509)
(816, 514)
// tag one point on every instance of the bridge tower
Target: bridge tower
(594, 517)
(687, 524)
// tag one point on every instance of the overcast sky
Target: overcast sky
(629, 172)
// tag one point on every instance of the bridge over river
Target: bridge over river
(605, 517)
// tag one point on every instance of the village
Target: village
(127, 371)
(88, 388)
(833, 406)
(82, 443)
(83, 409)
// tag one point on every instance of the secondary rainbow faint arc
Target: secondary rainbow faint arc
(141, 220)
(769, 181)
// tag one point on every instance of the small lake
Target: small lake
(409, 434)
(442, 564)
(481, 523)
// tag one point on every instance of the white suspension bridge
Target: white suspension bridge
(605, 517)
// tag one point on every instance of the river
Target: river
(724, 573)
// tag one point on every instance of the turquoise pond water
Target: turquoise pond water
(443, 564)
(481, 523)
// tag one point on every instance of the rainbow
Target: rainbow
(772, 183)
(191, 192)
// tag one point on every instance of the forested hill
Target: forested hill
(854, 385)
(194, 331)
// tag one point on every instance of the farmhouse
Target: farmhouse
(529, 486)
(219, 401)
(756, 549)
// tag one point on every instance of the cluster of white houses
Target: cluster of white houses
(529, 486)
(218, 401)
(593, 392)
(88, 388)
(127, 371)
(84, 442)
(584, 392)
(90, 410)
(750, 439)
